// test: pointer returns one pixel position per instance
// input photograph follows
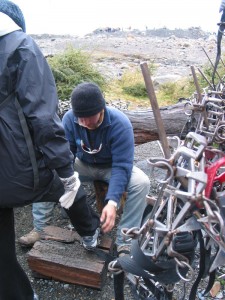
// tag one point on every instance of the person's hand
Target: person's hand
(108, 217)
(71, 186)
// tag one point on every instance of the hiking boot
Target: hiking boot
(123, 250)
(90, 242)
(30, 238)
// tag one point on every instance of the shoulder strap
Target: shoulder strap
(27, 136)
(6, 101)
(29, 143)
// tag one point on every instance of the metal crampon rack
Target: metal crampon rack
(188, 212)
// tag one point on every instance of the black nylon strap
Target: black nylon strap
(193, 291)
(166, 276)
(29, 143)
(27, 136)
(142, 260)
(118, 279)
(219, 40)
(118, 282)
(212, 277)
(129, 265)
(107, 257)
(160, 269)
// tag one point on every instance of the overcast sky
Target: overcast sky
(78, 17)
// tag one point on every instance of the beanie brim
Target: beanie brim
(88, 113)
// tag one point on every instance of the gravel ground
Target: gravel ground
(53, 290)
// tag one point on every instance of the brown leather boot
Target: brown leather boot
(30, 238)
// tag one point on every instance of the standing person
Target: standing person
(36, 161)
(101, 139)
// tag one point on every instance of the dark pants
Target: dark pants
(84, 219)
(82, 216)
(14, 283)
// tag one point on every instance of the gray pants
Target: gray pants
(135, 203)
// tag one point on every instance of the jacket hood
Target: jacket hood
(7, 25)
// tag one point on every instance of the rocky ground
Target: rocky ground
(173, 52)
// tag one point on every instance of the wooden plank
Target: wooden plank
(56, 233)
(69, 262)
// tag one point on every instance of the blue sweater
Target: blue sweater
(117, 139)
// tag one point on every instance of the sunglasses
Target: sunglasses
(88, 150)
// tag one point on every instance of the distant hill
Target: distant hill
(190, 33)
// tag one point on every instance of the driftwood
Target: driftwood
(145, 129)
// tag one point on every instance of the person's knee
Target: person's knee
(144, 183)
(140, 187)
(140, 180)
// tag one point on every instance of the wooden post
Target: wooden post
(206, 79)
(196, 84)
(155, 108)
(199, 95)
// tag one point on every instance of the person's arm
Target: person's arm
(122, 149)
(36, 92)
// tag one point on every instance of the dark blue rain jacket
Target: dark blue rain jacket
(25, 74)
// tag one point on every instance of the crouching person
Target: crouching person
(102, 142)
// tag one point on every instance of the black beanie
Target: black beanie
(14, 12)
(87, 100)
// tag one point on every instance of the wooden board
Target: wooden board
(68, 262)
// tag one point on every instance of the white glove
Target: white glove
(71, 186)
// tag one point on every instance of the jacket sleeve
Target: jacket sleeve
(36, 92)
(122, 150)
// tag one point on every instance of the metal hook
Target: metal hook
(162, 163)
(113, 268)
(183, 264)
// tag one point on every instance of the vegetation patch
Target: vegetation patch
(75, 66)
(71, 68)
